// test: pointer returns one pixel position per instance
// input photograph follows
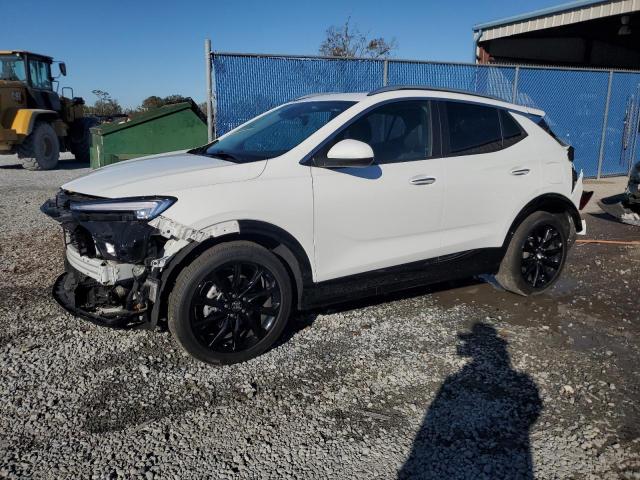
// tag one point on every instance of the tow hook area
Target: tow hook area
(123, 305)
(75, 295)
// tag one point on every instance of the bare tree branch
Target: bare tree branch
(347, 42)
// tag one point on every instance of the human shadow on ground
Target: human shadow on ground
(478, 424)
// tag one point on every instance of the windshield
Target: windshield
(12, 68)
(275, 133)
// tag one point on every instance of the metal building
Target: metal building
(584, 33)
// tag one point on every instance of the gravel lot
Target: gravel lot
(460, 381)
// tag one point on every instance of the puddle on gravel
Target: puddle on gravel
(567, 312)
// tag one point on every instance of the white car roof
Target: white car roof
(333, 97)
(389, 93)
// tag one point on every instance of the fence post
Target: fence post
(214, 98)
(209, 100)
(514, 94)
(385, 73)
(603, 136)
(635, 129)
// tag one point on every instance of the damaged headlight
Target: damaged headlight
(142, 208)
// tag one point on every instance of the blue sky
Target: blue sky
(136, 48)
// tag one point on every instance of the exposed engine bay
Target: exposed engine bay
(114, 259)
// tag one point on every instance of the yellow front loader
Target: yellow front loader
(36, 122)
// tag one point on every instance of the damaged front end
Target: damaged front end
(113, 256)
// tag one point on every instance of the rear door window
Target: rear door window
(473, 129)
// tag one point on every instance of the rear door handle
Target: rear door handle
(422, 180)
(520, 171)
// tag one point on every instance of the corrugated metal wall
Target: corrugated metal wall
(596, 111)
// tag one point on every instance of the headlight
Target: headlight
(143, 208)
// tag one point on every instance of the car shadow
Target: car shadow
(479, 422)
(305, 319)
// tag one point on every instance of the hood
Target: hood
(162, 175)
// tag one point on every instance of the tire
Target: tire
(536, 254)
(216, 314)
(80, 138)
(41, 149)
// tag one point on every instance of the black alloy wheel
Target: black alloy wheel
(542, 255)
(235, 306)
(536, 253)
(231, 303)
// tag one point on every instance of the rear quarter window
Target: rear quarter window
(512, 132)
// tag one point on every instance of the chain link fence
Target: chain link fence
(596, 111)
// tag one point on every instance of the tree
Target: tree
(150, 103)
(346, 41)
(154, 101)
(104, 105)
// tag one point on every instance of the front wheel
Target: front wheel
(231, 304)
(536, 254)
(41, 149)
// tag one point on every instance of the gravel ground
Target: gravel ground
(456, 381)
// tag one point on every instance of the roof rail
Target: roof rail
(393, 88)
(314, 95)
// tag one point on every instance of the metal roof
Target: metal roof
(564, 14)
(538, 13)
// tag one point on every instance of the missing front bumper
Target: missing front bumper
(67, 291)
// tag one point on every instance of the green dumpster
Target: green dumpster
(173, 127)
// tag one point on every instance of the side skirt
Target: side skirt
(416, 274)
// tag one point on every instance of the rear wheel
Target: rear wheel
(231, 304)
(41, 149)
(536, 254)
(81, 138)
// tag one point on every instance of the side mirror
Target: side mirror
(63, 68)
(347, 154)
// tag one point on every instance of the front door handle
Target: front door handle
(520, 171)
(422, 180)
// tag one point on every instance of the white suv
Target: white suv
(320, 200)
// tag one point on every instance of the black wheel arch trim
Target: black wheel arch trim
(277, 240)
(551, 202)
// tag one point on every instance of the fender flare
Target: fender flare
(277, 240)
(25, 119)
(549, 202)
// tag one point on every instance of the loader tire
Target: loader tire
(81, 138)
(41, 149)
